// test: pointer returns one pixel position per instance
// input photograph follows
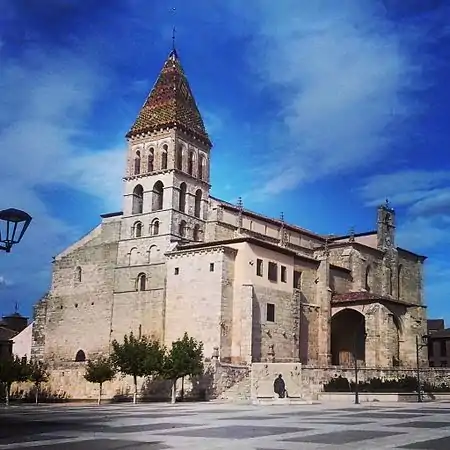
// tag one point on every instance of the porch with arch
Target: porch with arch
(374, 332)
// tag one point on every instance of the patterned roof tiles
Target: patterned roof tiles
(170, 103)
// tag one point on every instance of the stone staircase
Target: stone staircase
(239, 392)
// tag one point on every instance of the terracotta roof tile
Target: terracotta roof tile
(349, 297)
(170, 103)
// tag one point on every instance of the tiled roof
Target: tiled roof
(170, 103)
(349, 297)
(441, 334)
(435, 324)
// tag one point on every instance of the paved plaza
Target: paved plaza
(225, 426)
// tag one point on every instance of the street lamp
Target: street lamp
(355, 361)
(419, 346)
(13, 224)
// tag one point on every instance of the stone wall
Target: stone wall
(263, 376)
(67, 382)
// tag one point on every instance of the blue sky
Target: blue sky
(318, 109)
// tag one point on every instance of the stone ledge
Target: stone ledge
(274, 401)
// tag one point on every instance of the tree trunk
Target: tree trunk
(174, 392)
(135, 389)
(36, 394)
(7, 394)
(100, 393)
(182, 389)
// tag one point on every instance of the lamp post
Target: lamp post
(418, 347)
(355, 360)
(13, 224)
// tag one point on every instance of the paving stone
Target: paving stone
(342, 437)
(385, 416)
(145, 427)
(238, 432)
(433, 444)
(421, 424)
(106, 444)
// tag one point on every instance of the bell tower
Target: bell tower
(386, 227)
(168, 161)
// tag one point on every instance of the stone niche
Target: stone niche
(264, 374)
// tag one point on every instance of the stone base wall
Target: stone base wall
(263, 376)
(68, 383)
(316, 377)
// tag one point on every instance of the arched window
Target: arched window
(80, 356)
(164, 157)
(367, 279)
(196, 232)
(141, 282)
(138, 200)
(78, 274)
(154, 227)
(182, 202)
(152, 254)
(182, 228)
(399, 282)
(179, 158)
(198, 203)
(137, 163)
(151, 157)
(201, 167)
(158, 196)
(191, 161)
(133, 257)
(137, 229)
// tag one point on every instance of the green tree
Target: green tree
(185, 358)
(138, 357)
(37, 374)
(99, 371)
(12, 369)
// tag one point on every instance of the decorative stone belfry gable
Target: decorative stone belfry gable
(171, 105)
(386, 227)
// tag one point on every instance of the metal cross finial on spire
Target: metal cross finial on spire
(387, 203)
(16, 307)
(173, 30)
(282, 216)
(173, 37)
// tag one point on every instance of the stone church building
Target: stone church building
(177, 259)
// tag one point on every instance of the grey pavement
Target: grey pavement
(225, 426)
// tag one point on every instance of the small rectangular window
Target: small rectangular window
(177, 270)
(273, 269)
(270, 313)
(211, 267)
(259, 267)
(297, 280)
(283, 274)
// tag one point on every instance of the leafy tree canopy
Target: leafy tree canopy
(184, 358)
(138, 357)
(13, 369)
(37, 372)
(100, 370)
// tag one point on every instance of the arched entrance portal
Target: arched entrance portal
(348, 336)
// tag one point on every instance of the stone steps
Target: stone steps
(240, 391)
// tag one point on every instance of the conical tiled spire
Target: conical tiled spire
(170, 104)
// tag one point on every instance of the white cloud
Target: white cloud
(422, 192)
(4, 281)
(340, 74)
(46, 100)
